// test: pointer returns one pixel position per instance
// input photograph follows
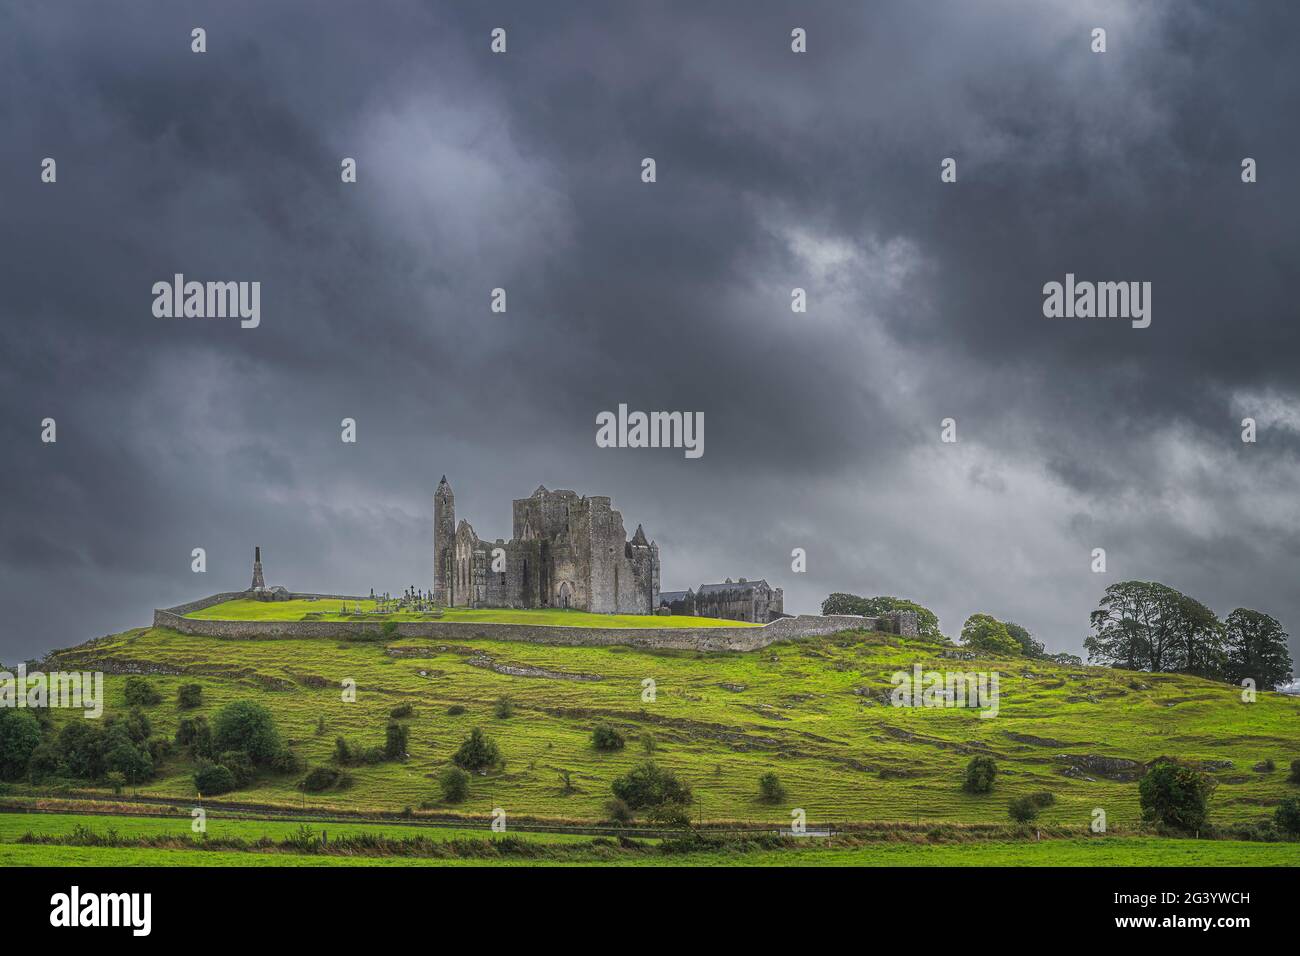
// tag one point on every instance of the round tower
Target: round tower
(444, 543)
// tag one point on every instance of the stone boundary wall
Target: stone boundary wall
(681, 638)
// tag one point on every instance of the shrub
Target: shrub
(1043, 798)
(1175, 795)
(286, 761)
(20, 734)
(320, 725)
(619, 811)
(401, 710)
(1294, 776)
(116, 781)
(211, 779)
(319, 779)
(477, 753)
(240, 766)
(247, 726)
(1287, 816)
(504, 708)
(454, 783)
(136, 725)
(455, 710)
(648, 743)
(979, 775)
(395, 740)
(160, 748)
(189, 696)
(194, 732)
(648, 785)
(770, 789)
(123, 755)
(140, 692)
(605, 737)
(1023, 809)
(1267, 766)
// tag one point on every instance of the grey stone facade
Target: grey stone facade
(741, 600)
(567, 551)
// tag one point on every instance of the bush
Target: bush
(189, 696)
(247, 726)
(319, 779)
(160, 748)
(605, 737)
(454, 783)
(504, 708)
(770, 789)
(286, 761)
(1287, 816)
(140, 692)
(395, 740)
(211, 779)
(455, 710)
(240, 766)
(1043, 798)
(647, 785)
(20, 734)
(401, 710)
(1023, 809)
(116, 781)
(1294, 776)
(619, 811)
(194, 732)
(1175, 795)
(477, 753)
(979, 775)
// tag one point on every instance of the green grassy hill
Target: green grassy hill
(815, 711)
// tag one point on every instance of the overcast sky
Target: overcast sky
(775, 170)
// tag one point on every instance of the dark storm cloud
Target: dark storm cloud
(775, 171)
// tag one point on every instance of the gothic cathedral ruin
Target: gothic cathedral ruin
(567, 552)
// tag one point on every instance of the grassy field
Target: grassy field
(325, 609)
(809, 710)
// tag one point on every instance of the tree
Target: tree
(1028, 646)
(395, 740)
(140, 692)
(194, 732)
(983, 632)
(979, 774)
(504, 708)
(1256, 648)
(189, 696)
(247, 726)
(770, 788)
(20, 734)
(477, 753)
(454, 783)
(648, 785)
(927, 622)
(1199, 636)
(1287, 816)
(240, 766)
(211, 779)
(1023, 810)
(1175, 795)
(605, 737)
(1134, 624)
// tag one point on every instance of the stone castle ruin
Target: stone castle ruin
(568, 551)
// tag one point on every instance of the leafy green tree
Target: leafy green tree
(20, 734)
(1175, 795)
(1023, 810)
(247, 726)
(1028, 646)
(140, 692)
(81, 747)
(770, 788)
(211, 779)
(927, 622)
(648, 785)
(454, 783)
(983, 632)
(196, 734)
(395, 740)
(504, 708)
(478, 752)
(605, 737)
(1256, 648)
(980, 773)
(240, 766)
(1145, 625)
(189, 696)
(1287, 816)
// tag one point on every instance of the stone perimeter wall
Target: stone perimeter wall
(682, 638)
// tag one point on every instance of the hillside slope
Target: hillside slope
(815, 711)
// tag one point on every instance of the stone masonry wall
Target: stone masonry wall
(681, 638)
